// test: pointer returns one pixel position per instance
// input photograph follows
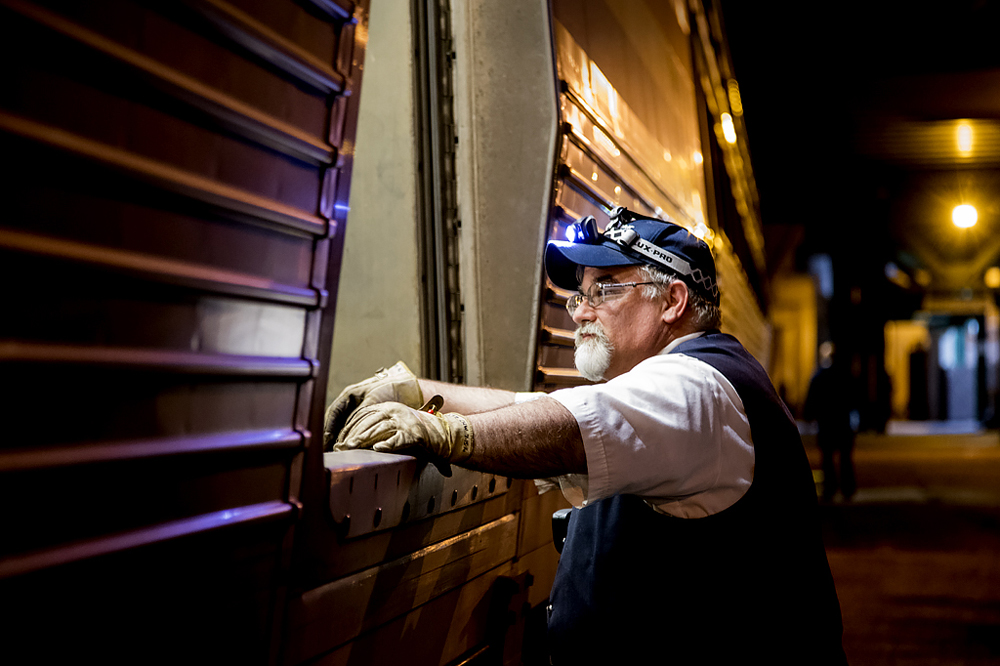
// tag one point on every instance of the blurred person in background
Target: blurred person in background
(830, 403)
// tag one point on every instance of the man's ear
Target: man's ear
(675, 302)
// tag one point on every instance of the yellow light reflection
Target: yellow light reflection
(667, 156)
(702, 231)
(992, 277)
(604, 94)
(728, 130)
(964, 138)
(698, 159)
(605, 141)
(573, 118)
(964, 216)
(735, 101)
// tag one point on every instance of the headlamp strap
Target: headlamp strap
(627, 237)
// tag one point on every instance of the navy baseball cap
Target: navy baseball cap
(629, 240)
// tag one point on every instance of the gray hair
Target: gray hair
(707, 315)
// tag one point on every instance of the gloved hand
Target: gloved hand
(395, 384)
(391, 427)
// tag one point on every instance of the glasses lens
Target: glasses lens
(596, 295)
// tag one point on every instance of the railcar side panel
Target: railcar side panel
(169, 218)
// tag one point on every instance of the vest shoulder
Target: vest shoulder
(725, 353)
(714, 343)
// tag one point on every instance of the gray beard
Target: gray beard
(593, 357)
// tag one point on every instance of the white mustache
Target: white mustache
(589, 328)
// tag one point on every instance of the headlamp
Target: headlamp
(584, 231)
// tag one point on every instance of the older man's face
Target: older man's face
(633, 325)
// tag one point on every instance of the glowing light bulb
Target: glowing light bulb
(992, 277)
(965, 138)
(728, 129)
(964, 216)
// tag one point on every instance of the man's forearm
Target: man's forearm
(466, 399)
(535, 439)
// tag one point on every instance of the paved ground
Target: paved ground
(916, 554)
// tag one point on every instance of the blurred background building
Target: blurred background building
(870, 127)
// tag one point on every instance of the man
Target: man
(830, 403)
(696, 537)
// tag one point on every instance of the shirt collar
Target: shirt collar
(683, 338)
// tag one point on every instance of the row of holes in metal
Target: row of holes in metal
(430, 502)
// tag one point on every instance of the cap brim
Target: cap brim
(563, 257)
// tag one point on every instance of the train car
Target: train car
(209, 231)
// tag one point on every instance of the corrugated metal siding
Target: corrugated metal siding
(174, 172)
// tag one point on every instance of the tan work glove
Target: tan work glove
(395, 384)
(391, 427)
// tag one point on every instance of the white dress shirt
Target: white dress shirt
(672, 430)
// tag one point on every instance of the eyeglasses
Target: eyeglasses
(600, 292)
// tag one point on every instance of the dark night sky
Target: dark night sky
(806, 69)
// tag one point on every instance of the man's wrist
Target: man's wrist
(462, 437)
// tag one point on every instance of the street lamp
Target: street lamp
(964, 216)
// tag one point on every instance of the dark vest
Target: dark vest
(750, 584)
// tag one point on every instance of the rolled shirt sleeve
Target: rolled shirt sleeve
(672, 430)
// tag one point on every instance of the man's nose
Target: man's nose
(584, 312)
